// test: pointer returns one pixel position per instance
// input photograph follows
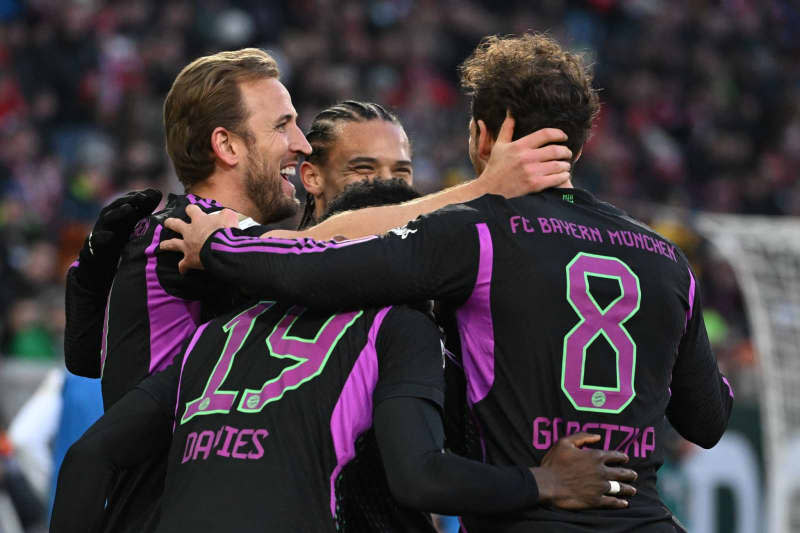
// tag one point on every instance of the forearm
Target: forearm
(323, 274)
(379, 220)
(420, 475)
(84, 327)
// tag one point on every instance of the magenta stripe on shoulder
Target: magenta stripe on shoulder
(475, 326)
(171, 319)
(198, 332)
(728, 384)
(104, 339)
(74, 264)
(692, 287)
(352, 414)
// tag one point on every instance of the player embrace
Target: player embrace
(558, 331)
(272, 415)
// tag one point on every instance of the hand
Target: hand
(195, 233)
(100, 253)
(529, 164)
(575, 478)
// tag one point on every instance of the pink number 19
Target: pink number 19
(310, 356)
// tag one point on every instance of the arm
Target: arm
(434, 257)
(702, 398)
(89, 279)
(420, 475)
(529, 164)
(136, 428)
(410, 435)
(84, 326)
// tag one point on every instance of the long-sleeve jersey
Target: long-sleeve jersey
(270, 418)
(137, 329)
(570, 317)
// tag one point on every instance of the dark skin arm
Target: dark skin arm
(411, 437)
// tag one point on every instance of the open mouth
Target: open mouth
(288, 171)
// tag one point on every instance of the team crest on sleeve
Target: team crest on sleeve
(402, 231)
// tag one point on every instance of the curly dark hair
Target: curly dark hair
(541, 84)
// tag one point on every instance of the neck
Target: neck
(319, 207)
(481, 166)
(228, 192)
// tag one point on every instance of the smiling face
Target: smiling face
(364, 151)
(274, 146)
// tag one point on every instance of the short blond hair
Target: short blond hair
(204, 96)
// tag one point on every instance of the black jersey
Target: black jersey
(150, 310)
(274, 412)
(570, 315)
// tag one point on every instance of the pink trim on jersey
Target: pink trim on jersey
(306, 246)
(727, 384)
(352, 414)
(692, 287)
(475, 325)
(172, 319)
(189, 349)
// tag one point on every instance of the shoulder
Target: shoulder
(403, 323)
(409, 314)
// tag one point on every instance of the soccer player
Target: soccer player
(570, 315)
(351, 141)
(275, 412)
(233, 138)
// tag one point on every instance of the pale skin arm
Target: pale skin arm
(515, 168)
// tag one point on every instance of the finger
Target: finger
(553, 167)
(506, 132)
(552, 152)
(614, 457)
(177, 225)
(542, 137)
(193, 211)
(611, 502)
(581, 439)
(621, 474)
(182, 268)
(172, 245)
(539, 183)
(101, 238)
(147, 200)
(626, 491)
(119, 214)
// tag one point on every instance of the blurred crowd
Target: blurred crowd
(701, 111)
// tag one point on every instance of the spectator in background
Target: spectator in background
(27, 506)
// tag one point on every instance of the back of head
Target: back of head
(531, 76)
(204, 96)
(363, 194)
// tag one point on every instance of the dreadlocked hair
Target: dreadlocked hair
(322, 136)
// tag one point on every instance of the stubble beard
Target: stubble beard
(265, 190)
